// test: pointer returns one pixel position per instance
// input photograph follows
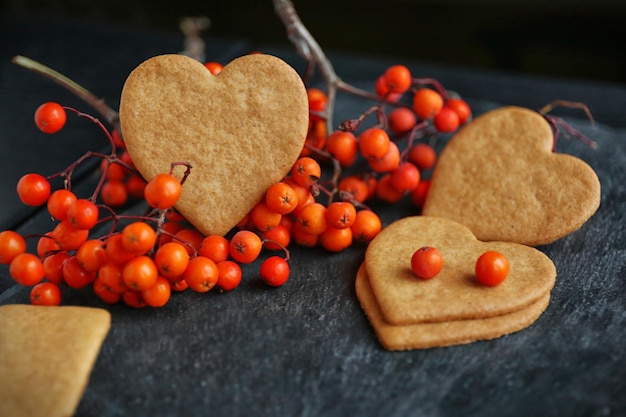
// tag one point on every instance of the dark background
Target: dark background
(563, 38)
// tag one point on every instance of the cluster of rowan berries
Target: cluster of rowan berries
(144, 258)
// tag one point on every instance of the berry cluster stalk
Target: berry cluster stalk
(312, 52)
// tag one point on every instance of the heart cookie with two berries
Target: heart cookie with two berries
(452, 308)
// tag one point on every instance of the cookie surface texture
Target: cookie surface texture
(454, 294)
(46, 357)
(241, 130)
(499, 177)
(431, 335)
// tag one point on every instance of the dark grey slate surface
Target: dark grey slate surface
(306, 349)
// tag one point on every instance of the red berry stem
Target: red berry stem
(432, 82)
(558, 123)
(187, 166)
(280, 245)
(412, 135)
(352, 125)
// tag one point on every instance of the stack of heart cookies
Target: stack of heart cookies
(497, 186)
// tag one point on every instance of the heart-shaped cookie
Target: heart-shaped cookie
(448, 333)
(454, 294)
(499, 177)
(241, 130)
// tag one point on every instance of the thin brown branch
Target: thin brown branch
(110, 115)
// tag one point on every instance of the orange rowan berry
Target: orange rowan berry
(45, 294)
(281, 198)
(201, 274)
(446, 120)
(245, 246)
(366, 226)
(423, 156)
(133, 298)
(114, 193)
(275, 271)
(214, 247)
(53, 267)
(316, 136)
(136, 186)
(304, 194)
(117, 139)
(356, 187)
(276, 238)
(317, 99)
(229, 275)
(105, 293)
(312, 219)
(91, 255)
(302, 238)
(306, 171)
(11, 245)
(59, 202)
(140, 273)
(343, 146)
(418, 197)
(68, 237)
(336, 240)
(263, 217)
(382, 90)
(405, 178)
(426, 262)
(340, 214)
(171, 260)
(492, 268)
(33, 189)
(461, 108)
(158, 294)
(163, 191)
(82, 213)
(389, 162)
(50, 117)
(401, 120)
(74, 275)
(386, 191)
(214, 67)
(179, 286)
(26, 269)
(398, 78)
(110, 274)
(191, 238)
(46, 245)
(113, 171)
(115, 251)
(138, 237)
(374, 143)
(427, 103)
(370, 182)
(287, 222)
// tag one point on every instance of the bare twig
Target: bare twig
(110, 115)
(309, 49)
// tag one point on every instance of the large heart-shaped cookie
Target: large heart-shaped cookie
(454, 294)
(241, 130)
(499, 177)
